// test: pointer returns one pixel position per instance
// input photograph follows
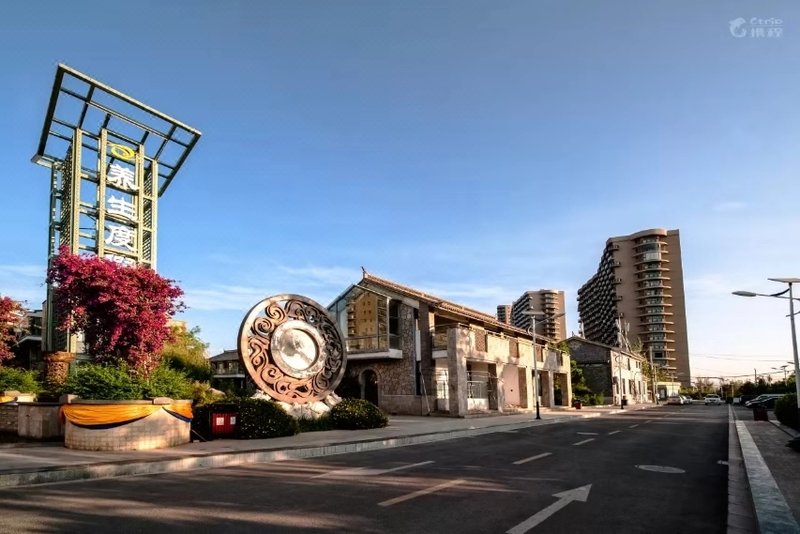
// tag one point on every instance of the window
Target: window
(394, 324)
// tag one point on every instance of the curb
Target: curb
(772, 513)
(228, 459)
(741, 517)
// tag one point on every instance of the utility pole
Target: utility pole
(755, 376)
(653, 373)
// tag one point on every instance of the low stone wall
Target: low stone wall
(9, 415)
(156, 431)
(9, 411)
(40, 420)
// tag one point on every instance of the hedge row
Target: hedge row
(261, 418)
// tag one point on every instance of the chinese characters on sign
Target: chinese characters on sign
(120, 236)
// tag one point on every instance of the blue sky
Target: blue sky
(471, 149)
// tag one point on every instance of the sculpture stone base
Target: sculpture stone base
(306, 410)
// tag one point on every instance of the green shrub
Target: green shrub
(167, 382)
(259, 418)
(599, 399)
(315, 425)
(357, 414)
(786, 411)
(91, 381)
(18, 380)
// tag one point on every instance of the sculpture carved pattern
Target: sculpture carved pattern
(291, 349)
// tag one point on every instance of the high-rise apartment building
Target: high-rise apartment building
(504, 313)
(548, 301)
(639, 287)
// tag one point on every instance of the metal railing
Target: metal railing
(366, 344)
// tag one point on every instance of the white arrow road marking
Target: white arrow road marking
(564, 498)
(583, 442)
(532, 458)
(586, 433)
(421, 492)
(614, 432)
(366, 471)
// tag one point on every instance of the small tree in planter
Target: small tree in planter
(10, 325)
(122, 311)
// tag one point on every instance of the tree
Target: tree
(186, 352)
(11, 317)
(122, 311)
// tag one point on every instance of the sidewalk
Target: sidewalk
(771, 469)
(52, 462)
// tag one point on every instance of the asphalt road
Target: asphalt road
(583, 476)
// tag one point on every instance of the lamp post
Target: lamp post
(783, 368)
(532, 332)
(791, 298)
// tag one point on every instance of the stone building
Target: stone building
(606, 367)
(414, 353)
(228, 371)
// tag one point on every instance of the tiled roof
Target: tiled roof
(225, 356)
(443, 304)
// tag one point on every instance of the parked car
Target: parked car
(768, 403)
(745, 398)
(674, 399)
(712, 399)
(686, 400)
(764, 397)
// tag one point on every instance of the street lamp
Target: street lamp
(791, 298)
(782, 368)
(532, 332)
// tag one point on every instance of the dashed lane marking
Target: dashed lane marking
(634, 426)
(420, 493)
(614, 432)
(532, 458)
(583, 442)
(587, 433)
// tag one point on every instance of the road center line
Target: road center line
(583, 442)
(614, 432)
(634, 426)
(422, 492)
(532, 458)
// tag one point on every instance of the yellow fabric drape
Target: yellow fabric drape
(184, 409)
(6, 398)
(106, 414)
(114, 414)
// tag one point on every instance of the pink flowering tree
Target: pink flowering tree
(122, 311)
(10, 324)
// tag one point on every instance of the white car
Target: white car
(686, 400)
(712, 399)
(674, 399)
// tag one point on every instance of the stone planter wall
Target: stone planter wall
(9, 411)
(9, 417)
(40, 420)
(156, 431)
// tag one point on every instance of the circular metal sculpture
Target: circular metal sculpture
(292, 349)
